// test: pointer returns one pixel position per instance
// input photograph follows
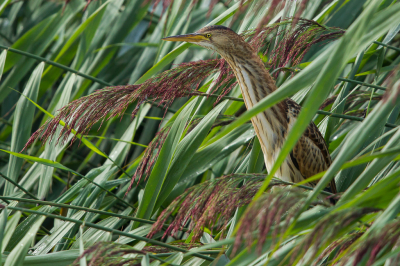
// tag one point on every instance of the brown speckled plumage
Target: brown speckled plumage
(310, 155)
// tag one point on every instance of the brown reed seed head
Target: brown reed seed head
(211, 204)
(159, 249)
(108, 254)
(271, 213)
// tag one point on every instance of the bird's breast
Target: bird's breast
(271, 125)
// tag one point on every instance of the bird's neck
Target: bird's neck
(255, 83)
(253, 77)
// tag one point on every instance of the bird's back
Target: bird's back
(310, 155)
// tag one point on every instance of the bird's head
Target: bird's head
(221, 39)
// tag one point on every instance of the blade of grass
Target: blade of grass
(372, 169)
(10, 227)
(23, 120)
(163, 163)
(3, 56)
(18, 186)
(82, 261)
(52, 150)
(3, 224)
(129, 142)
(17, 255)
(3, 5)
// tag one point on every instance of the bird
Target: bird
(310, 155)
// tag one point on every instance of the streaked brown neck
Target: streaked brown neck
(255, 83)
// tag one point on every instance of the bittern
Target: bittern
(310, 155)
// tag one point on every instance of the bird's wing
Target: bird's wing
(310, 155)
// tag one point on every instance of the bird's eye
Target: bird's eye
(208, 35)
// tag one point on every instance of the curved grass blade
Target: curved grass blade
(3, 5)
(51, 149)
(82, 261)
(3, 56)
(161, 167)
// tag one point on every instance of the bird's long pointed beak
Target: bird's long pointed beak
(193, 37)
